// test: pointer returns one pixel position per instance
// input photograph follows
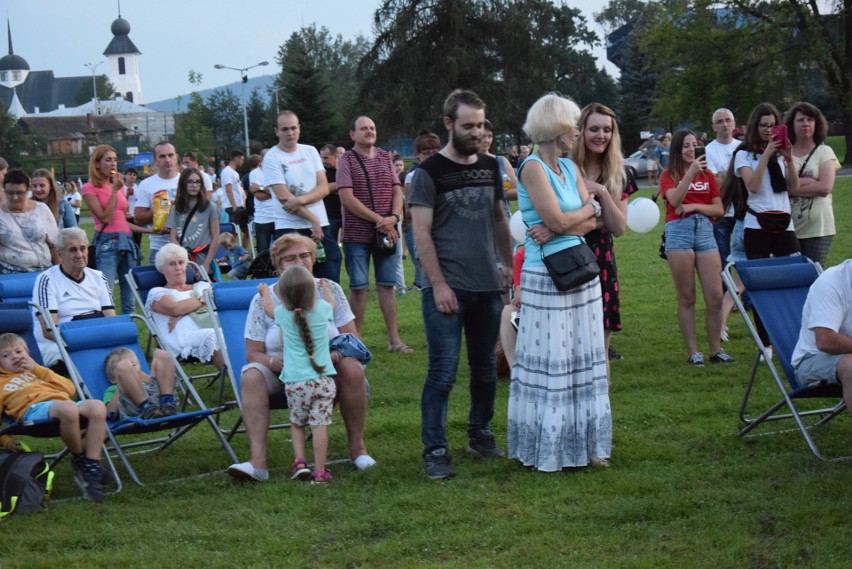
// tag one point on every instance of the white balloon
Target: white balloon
(642, 215)
(517, 227)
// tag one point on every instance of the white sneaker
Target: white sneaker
(245, 471)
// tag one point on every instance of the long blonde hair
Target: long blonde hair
(612, 162)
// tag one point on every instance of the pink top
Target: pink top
(118, 221)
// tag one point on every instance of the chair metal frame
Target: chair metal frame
(82, 345)
(762, 279)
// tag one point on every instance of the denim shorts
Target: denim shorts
(357, 257)
(693, 233)
(40, 411)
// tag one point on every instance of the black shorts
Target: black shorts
(238, 217)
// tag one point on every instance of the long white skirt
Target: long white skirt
(559, 412)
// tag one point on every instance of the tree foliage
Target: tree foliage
(223, 115)
(84, 94)
(190, 131)
(319, 82)
(509, 51)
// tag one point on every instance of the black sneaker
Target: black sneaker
(613, 355)
(721, 357)
(437, 465)
(90, 483)
(482, 445)
(107, 477)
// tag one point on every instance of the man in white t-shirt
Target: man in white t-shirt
(296, 176)
(824, 349)
(190, 160)
(719, 155)
(234, 199)
(166, 179)
(264, 205)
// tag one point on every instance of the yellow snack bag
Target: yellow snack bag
(162, 205)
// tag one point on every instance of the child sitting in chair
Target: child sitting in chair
(30, 392)
(237, 256)
(139, 394)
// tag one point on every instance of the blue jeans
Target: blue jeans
(263, 232)
(722, 230)
(412, 251)
(333, 256)
(479, 317)
(116, 255)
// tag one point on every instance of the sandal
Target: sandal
(401, 349)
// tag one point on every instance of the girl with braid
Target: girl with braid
(308, 365)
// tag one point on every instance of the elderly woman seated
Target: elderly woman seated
(70, 290)
(179, 311)
(264, 351)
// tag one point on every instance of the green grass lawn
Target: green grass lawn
(683, 489)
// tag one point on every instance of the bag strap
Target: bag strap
(367, 176)
(186, 223)
(805, 163)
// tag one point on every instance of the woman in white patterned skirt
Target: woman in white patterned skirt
(559, 412)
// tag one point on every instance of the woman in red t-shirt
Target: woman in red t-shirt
(692, 199)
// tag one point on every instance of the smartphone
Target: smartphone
(779, 134)
(699, 152)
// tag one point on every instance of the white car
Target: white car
(639, 162)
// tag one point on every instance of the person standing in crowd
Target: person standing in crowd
(43, 189)
(559, 411)
(194, 221)
(296, 176)
(190, 160)
(457, 196)
(331, 232)
(597, 154)
(692, 201)
(371, 196)
(719, 154)
(74, 199)
(264, 205)
(116, 253)
(163, 183)
(649, 149)
(235, 202)
(130, 187)
(426, 144)
(815, 164)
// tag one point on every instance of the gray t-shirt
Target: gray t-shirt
(197, 230)
(462, 198)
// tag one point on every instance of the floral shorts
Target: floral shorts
(311, 402)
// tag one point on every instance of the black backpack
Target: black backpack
(25, 482)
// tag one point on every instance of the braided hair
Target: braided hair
(298, 292)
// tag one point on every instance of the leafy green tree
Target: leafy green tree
(509, 51)
(106, 91)
(190, 132)
(257, 110)
(223, 115)
(13, 141)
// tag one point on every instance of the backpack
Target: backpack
(25, 482)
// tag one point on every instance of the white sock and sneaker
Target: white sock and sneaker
(245, 470)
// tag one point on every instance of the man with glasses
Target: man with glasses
(719, 155)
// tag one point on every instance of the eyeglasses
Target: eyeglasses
(766, 126)
(292, 258)
(193, 182)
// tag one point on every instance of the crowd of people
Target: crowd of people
(768, 194)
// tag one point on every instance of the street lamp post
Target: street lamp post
(93, 67)
(277, 109)
(243, 71)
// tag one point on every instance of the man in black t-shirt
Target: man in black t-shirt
(457, 213)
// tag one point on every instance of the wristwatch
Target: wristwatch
(397, 217)
(596, 206)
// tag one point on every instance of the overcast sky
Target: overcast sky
(175, 36)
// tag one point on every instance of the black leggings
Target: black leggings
(760, 244)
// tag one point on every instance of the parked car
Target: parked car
(639, 162)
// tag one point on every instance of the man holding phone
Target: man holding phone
(719, 154)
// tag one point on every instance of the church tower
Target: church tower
(123, 61)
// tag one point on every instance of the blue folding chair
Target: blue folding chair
(17, 287)
(230, 302)
(778, 288)
(84, 345)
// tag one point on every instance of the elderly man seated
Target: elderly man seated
(70, 290)
(824, 349)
